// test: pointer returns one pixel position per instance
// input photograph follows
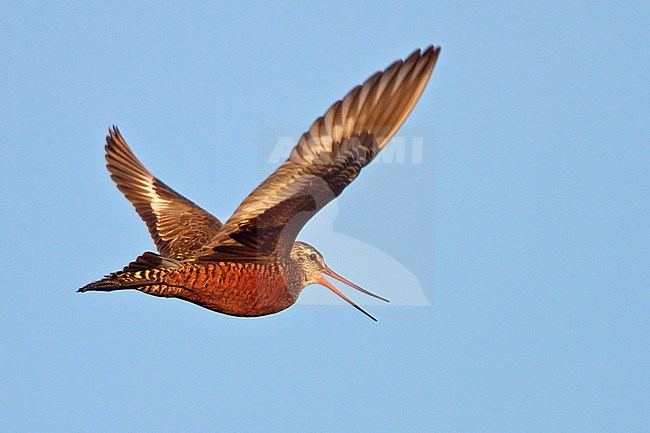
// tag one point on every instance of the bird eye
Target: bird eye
(312, 257)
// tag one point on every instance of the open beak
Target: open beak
(329, 285)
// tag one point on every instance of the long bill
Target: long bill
(327, 284)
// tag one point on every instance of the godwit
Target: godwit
(252, 265)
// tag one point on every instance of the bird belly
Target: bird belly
(238, 289)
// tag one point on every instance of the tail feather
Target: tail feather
(106, 284)
(143, 271)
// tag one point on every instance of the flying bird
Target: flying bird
(252, 265)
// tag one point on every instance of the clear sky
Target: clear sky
(512, 232)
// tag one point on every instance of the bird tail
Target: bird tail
(146, 270)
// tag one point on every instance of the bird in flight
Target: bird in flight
(252, 265)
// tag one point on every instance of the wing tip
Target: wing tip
(114, 135)
(432, 53)
(114, 143)
(427, 56)
(431, 50)
(120, 157)
(114, 138)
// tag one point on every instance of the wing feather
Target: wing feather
(178, 227)
(326, 159)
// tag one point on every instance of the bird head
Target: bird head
(313, 270)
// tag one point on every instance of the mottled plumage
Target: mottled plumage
(252, 265)
(178, 227)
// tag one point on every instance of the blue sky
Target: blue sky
(524, 224)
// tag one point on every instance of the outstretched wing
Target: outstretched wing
(327, 158)
(178, 227)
